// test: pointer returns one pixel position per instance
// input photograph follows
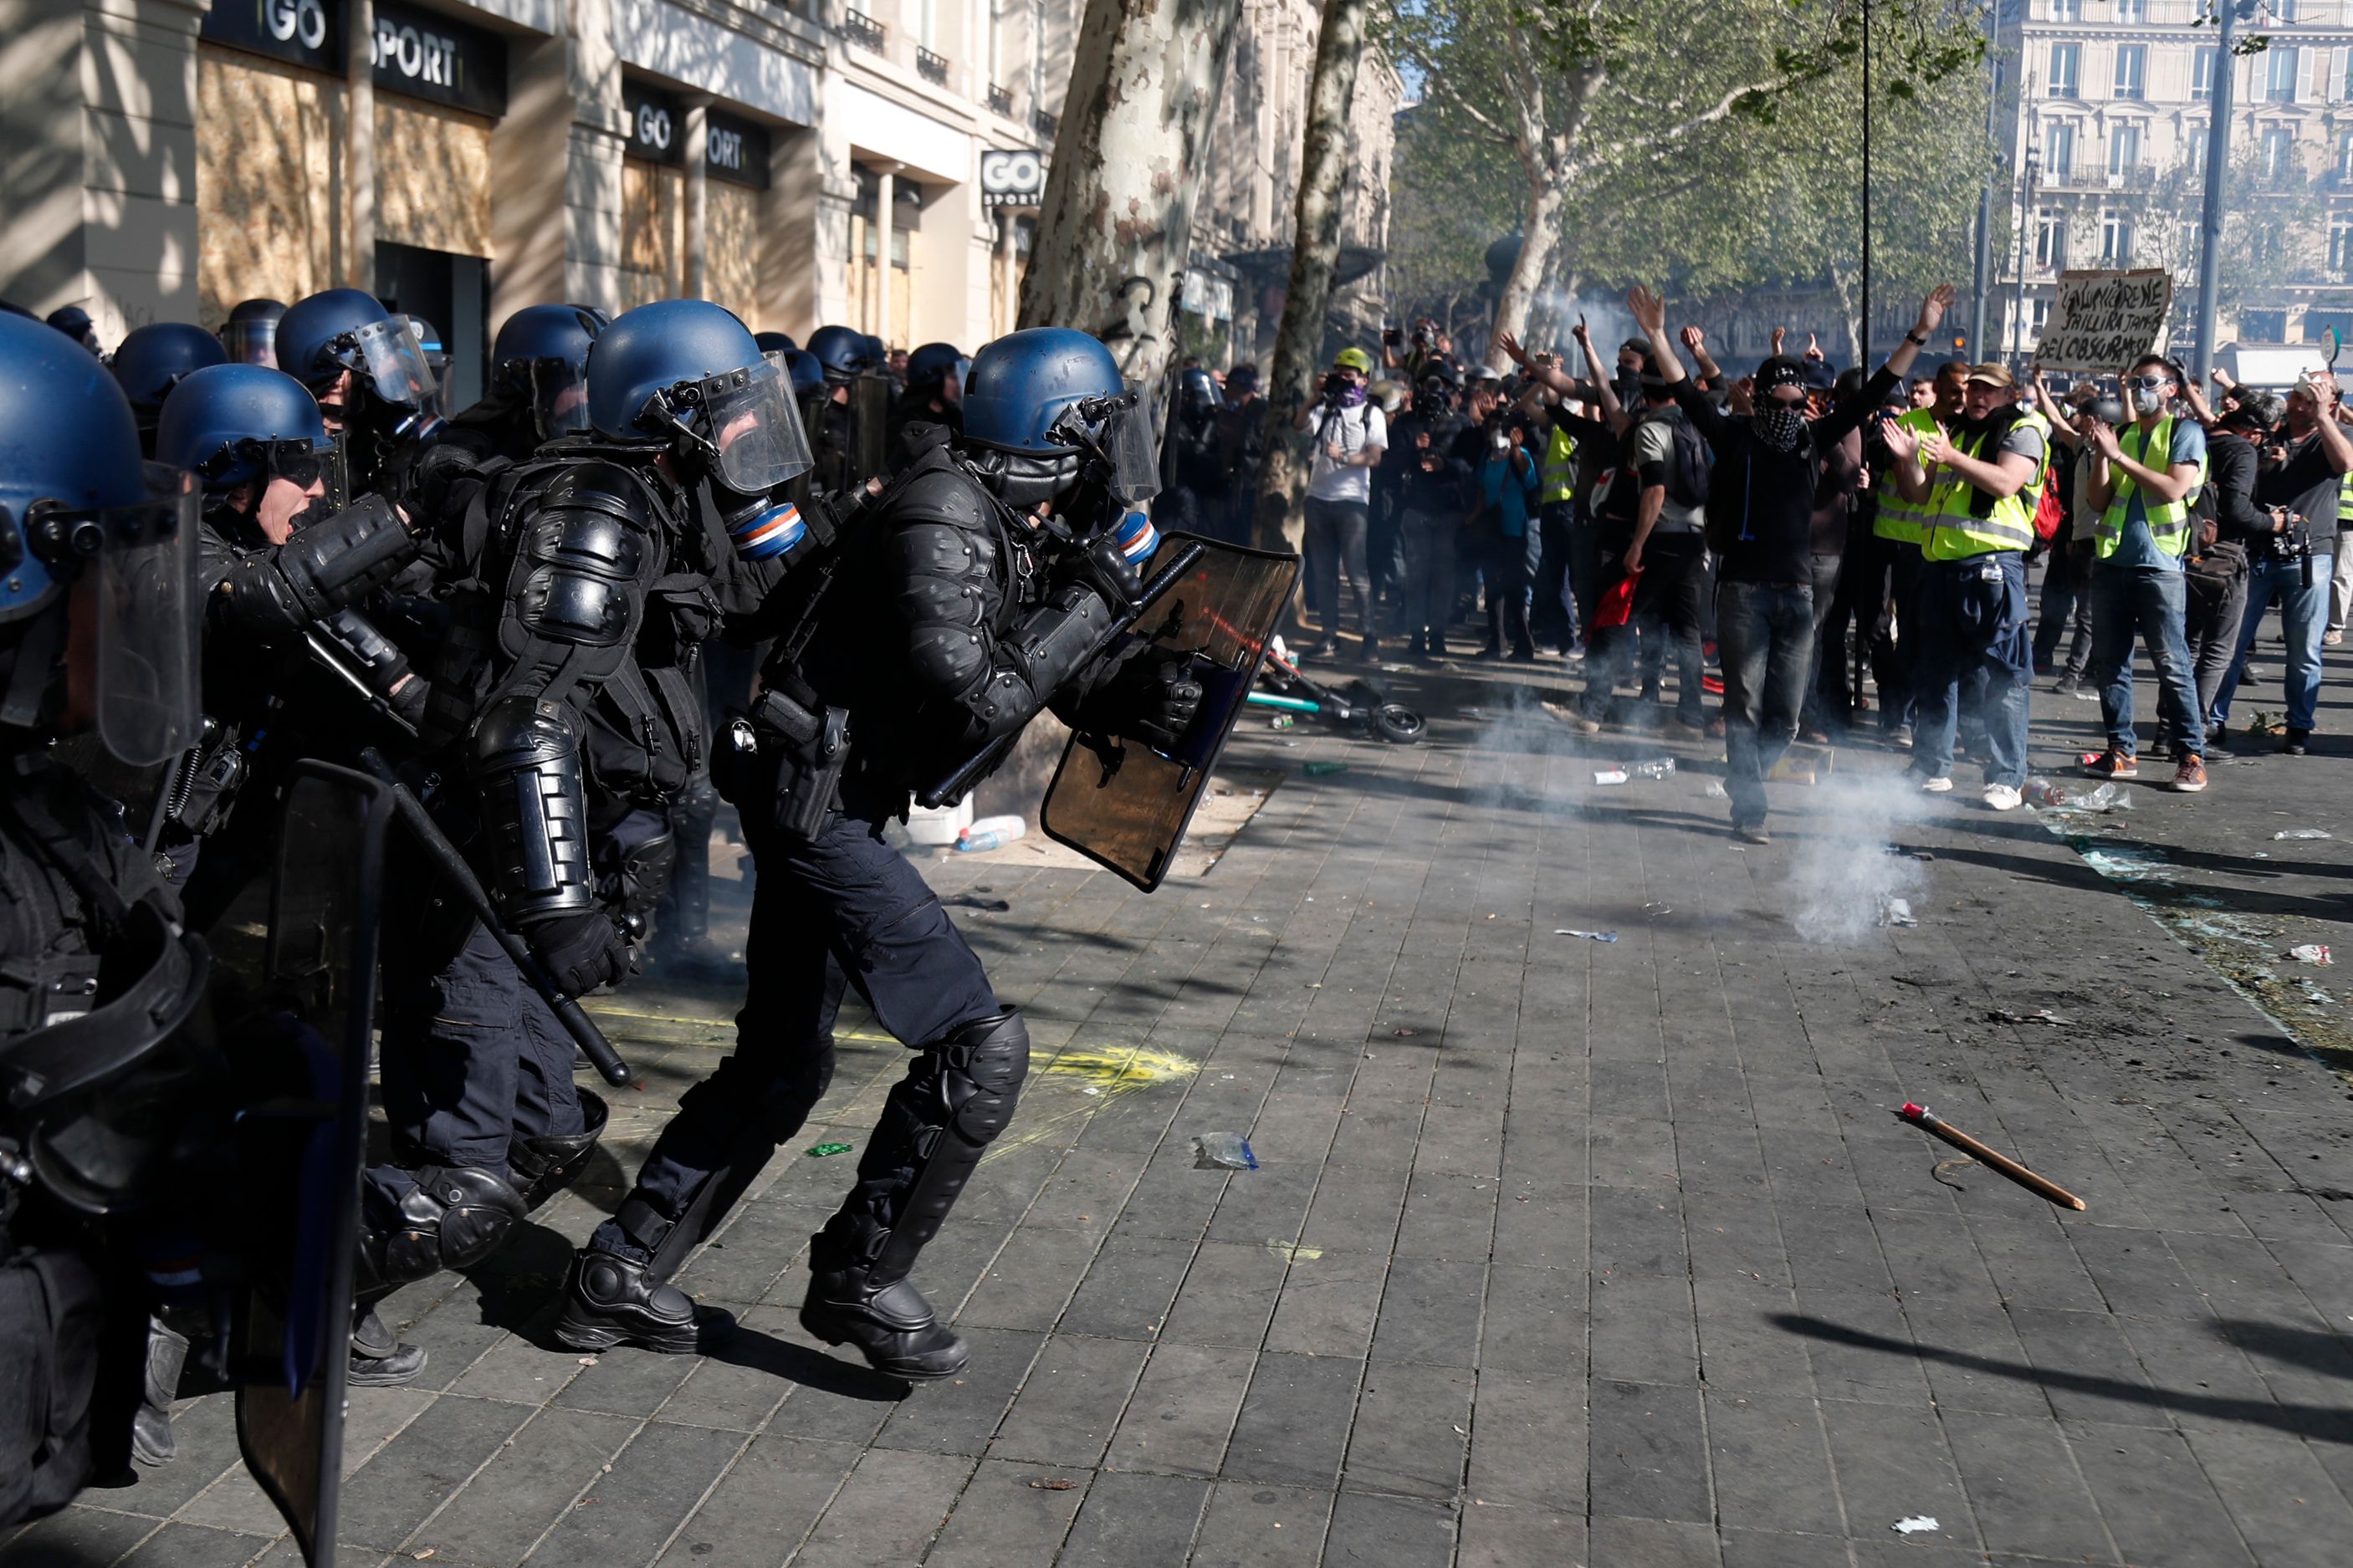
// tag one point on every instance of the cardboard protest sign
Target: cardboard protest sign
(2104, 320)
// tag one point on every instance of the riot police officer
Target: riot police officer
(849, 437)
(927, 412)
(563, 720)
(1195, 495)
(979, 592)
(156, 358)
(109, 1091)
(250, 333)
(539, 389)
(367, 369)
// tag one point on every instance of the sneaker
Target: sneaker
(1587, 726)
(2003, 798)
(2294, 745)
(2332, 639)
(1328, 648)
(1938, 785)
(2114, 764)
(2189, 777)
(2068, 685)
(1755, 833)
(2218, 740)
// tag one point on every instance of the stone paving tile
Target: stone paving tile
(1615, 1257)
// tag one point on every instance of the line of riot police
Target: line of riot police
(237, 570)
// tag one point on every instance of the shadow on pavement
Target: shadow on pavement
(2321, 1423)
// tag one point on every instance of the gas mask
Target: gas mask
(2147, 396)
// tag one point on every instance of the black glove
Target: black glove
(1153, 697)
(581, 952)
(424, 485)
(1101, 566)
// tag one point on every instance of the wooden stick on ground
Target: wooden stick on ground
(1928, 1121)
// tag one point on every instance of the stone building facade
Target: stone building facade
(799, 161)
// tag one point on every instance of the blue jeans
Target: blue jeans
(2153, 603)
(1765, 637)
(1972, 621)
(2304, 611)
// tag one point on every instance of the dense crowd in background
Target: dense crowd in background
(1833, 553)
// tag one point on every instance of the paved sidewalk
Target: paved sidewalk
(1560, 1251)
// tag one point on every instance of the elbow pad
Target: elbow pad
(1050, 645)
(526, 764)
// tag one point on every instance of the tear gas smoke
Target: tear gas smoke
(1844, 874)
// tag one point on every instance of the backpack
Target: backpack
(1687, 473)
(2049, 513)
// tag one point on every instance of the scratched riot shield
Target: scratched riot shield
(298, 1001)
(1124, 804)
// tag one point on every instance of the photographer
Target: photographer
(2145, 476)
(1350, 436)
(2297, 484)
(2216, 572)
(1507, 491)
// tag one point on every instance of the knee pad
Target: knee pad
(452, 1218)
(981, 1067)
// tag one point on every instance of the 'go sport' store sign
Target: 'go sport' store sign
(736, 149)
(417, 53)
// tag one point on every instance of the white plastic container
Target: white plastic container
(938, 828)
(989, 833)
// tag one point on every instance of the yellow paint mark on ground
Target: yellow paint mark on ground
(1292, 1252)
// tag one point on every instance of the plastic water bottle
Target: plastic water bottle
(989, 833)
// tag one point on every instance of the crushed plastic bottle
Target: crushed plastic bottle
(1281, 721)
(1223, 1151)
(2302, 833)
(1323, 769)
(990, 833)
(2059, 794)
(1609, 776)
(1657, 768)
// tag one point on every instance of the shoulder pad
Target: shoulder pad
(939, 549)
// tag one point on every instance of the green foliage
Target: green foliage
(1708, 146)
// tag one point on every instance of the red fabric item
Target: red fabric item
(1616, 605)
(2048, 514)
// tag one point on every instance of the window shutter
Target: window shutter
(2304, 68)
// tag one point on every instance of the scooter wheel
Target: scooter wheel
(1399, 725)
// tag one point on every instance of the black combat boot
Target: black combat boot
(891, 1324)
(378, 1358)
(609, 1300)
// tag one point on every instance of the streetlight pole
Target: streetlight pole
(2217, 164)
(1863, 338)
(2017, 295)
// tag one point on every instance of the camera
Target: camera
(1391, 336)
(1335, 386)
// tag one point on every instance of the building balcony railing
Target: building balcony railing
(864, 31)
(932, 68)
(1000, 99)
(2132, 177)
(1046, 125)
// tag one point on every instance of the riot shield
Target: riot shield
(300, 959)
(1123, 803)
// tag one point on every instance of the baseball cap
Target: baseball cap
(1992, 374)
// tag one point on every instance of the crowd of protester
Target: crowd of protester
(1822, 538)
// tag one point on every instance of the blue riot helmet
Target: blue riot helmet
(156, 358)
(540, 358)
(808, 374)
(938, 369)
(75, 497)
(1046, 408)
(1197, 391)
(75, 323)
(878, 352)
(843, 353)
(685, 375)
(343, 330)
(436, 349)
(236, 423)
(774, 342)
(250, 334)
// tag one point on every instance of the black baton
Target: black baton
(454, 870)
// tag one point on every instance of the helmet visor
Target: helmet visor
(393, 361)
(146, 615)
(752, 427)
(251, 343)
(1125, 440)
(559, 397)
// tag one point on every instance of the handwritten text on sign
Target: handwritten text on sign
(2103, 321)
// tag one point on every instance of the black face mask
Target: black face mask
(1627, 386)
(1779, 425)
